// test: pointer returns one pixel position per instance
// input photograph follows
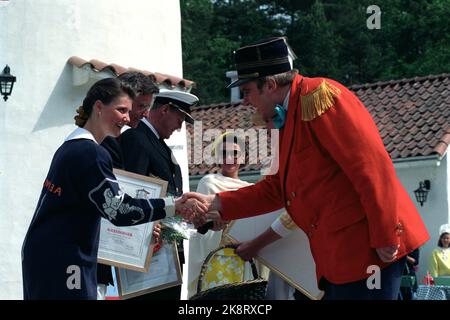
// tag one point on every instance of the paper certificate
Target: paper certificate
(289, 257)
(113, 238)
(130, 247)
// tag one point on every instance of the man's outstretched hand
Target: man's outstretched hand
(190, 209)
(212, 203)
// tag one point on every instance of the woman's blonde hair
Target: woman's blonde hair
(227, 137)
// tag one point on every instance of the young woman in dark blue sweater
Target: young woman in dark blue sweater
(79, 189)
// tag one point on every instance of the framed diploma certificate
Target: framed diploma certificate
(130, 247)
(165, 272)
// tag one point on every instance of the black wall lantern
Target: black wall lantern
(422, 192)
(6, 83)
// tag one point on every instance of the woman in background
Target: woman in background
(440, 257)
(227, 149)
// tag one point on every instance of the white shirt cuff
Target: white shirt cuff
(280, 229)
(169, 206)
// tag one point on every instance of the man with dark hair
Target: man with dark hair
(335, 178)
(145, 152)
(144, 88)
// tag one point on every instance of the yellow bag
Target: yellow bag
(222, 275)
(224, 267)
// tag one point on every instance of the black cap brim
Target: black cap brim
(188, 118)
(239, 82)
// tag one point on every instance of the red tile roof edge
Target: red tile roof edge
(443, 144)
(400, 81)
(160, 78)
(217, 105)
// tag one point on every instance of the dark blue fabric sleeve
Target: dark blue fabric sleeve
(111, 203)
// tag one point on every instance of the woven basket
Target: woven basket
(248, 290)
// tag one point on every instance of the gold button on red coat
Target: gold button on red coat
(293, 194)
(399, 228)
(288, 203)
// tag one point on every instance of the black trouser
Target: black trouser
(390, 279)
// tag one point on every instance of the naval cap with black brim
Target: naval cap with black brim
(183, 101)
(263, 58)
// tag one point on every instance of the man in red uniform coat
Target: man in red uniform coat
(335, 178)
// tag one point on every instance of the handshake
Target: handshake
(198, 208)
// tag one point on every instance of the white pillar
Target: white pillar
(235, 94)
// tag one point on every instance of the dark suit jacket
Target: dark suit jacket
(143, 153)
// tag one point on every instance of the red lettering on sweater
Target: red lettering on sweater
(52, 188)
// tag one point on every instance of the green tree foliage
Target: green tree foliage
(330, 38)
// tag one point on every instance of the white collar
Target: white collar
(144, 120)
(286, 100)
(80, 133)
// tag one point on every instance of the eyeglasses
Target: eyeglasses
(231, 153)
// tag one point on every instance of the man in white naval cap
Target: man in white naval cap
(145, 152)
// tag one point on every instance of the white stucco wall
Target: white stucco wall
(435, 210)
(36, 39)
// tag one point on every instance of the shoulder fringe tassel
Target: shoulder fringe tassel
(318, 101)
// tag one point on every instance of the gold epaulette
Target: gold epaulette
(318, 101)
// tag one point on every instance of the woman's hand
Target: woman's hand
(156, 232)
